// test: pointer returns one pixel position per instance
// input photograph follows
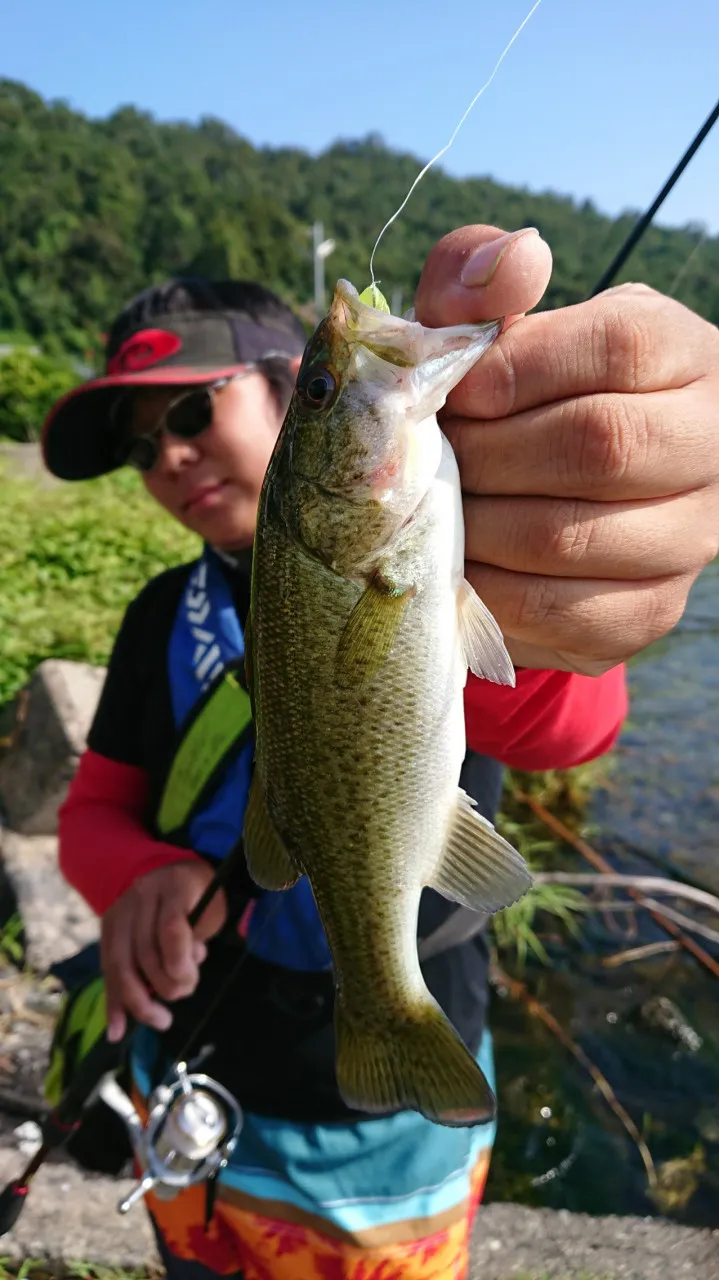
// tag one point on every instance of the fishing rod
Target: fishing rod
(193, 1124)
(641, 225)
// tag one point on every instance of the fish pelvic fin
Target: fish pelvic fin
(483, 647)
(268, 862)
(370, 632)
(419, 1064)
(478, 868)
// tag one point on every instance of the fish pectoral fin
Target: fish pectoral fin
(370, 631)
(483, 646)
(268, 861)
(478, 868)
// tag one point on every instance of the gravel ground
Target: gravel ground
(511, 1240)
(72, 1216)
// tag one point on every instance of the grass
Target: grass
(566, 793)
(71, 558)
(11, 947)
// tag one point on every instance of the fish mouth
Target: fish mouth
(435, 359)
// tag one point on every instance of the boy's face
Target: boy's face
(212, 482)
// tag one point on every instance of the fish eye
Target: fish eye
(317, 387)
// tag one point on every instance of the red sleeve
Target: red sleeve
(551, 720)
(104, 844)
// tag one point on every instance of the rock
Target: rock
(511, 1240)
(708, 1124)
(71, 1215)
(53, 718)
(57, 920)
(29, 1138)
(661, 1012)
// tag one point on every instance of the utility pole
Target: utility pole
(321, 249)
(396, 307)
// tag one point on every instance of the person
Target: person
(585, 439)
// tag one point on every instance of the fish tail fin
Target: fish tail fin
(420, 1064)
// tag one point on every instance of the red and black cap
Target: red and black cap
(180, 349)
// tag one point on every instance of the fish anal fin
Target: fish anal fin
(483, 646)
(370, 632)
(268, 861)
(478, 868)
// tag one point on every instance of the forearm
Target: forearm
(104, 843)
(551, 720)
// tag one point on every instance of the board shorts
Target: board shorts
(384, 1199)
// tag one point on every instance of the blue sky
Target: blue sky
(597, 98)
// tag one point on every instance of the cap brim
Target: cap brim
(77, 441)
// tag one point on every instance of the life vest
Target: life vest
(206, 792)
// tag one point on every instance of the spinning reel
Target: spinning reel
(191, 1131)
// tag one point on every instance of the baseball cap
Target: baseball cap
(181, 348)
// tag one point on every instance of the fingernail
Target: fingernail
(115, 1027)
(482, 264)
(162, 1019)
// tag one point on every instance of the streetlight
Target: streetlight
(321, 249)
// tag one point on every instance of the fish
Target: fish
(361, 630)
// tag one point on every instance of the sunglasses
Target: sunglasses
(185, 417)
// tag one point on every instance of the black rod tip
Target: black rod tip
(12, 1203)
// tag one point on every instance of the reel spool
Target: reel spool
(191, 1131)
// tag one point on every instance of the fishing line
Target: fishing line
(447, 146)
(683, 270)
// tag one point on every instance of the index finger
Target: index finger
(175, 939)
(124, 988)
(628, 340)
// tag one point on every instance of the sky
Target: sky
(597, 98)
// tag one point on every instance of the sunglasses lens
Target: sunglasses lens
(191, 415)
(142, 454)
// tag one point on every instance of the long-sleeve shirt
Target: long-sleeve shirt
(107, 841)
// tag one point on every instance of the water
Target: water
(559, 1144)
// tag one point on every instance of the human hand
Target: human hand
(588, 445)
(146, 942)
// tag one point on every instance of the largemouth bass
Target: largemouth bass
(362, 627)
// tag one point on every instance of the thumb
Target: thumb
(481, 273)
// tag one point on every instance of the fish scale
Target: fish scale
(346, 798)
(361, 629)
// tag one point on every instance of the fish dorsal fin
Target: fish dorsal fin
(478, 868)
(483, 646)
(268, 861)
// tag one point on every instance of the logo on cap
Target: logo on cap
(143, 350)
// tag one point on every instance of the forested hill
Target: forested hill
(91, 210)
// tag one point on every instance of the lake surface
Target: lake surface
(658, 814)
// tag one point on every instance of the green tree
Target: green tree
(29, 385)
(91, 211)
